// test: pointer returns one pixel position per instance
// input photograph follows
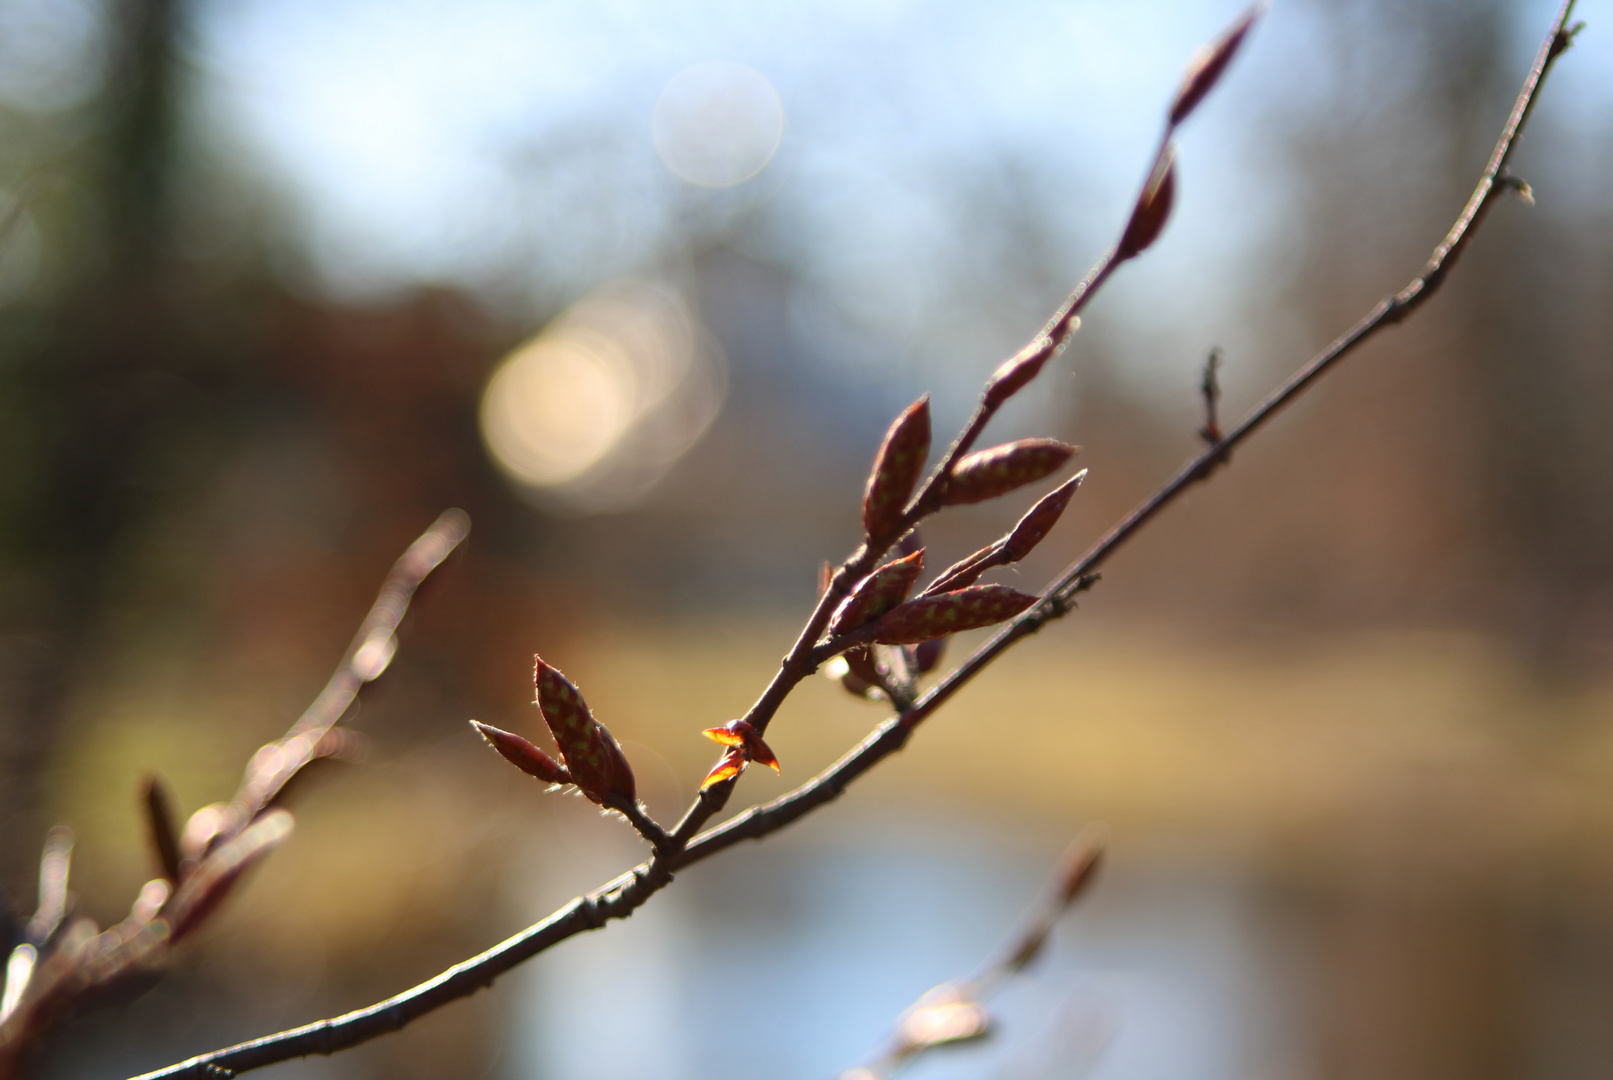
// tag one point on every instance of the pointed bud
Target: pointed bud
(730, 766)
(936, 616)
(1153, 208)
(744, 744)
(1018, 370)
(877, 593)
(597, 765)
(523, 755)
(896, 471)
(1040, 519)
(164, 835)
(1209, 64)
(985, 474)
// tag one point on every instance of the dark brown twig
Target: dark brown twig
(620, 897)
(1210, 388)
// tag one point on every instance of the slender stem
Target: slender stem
(620, 897)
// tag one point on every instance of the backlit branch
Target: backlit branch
(64, 961)
(895, 502)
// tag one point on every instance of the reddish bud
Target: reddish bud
(1153, 208)
(877, 593)
(523, 755)
(896, 471)
(1018, 370)
(596, 764)
(744, 744)
(927, 654)
(1040, 519)
(1209, 64)
(985, 474)
(948, 613)
(965, 571)
(731, 765)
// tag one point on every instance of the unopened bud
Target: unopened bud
(948, 613)
(523, 755)
(1019, 369)
(1153, 208)
(896, 470)
(597, 765)
(1040, 519)
(1209, 64)
(744, 744)
(877, 593)
(985, 474)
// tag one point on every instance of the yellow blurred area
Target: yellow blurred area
(1323, 759)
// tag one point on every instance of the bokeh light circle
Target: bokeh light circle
(717, 124)
(557, 406)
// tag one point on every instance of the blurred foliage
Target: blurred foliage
(1371, 659)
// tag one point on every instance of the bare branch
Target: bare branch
(65, 961)
(620, 897)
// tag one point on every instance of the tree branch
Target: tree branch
(620, 897)
(66, 961)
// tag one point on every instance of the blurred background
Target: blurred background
(639, 286)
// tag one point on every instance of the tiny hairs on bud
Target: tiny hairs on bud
(596, 763)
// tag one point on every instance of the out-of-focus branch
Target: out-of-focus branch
(955, 1012)
(623, 895)
(64, 962)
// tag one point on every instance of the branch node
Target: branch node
(1519, 186)
(1210, 388)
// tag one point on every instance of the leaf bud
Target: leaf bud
(596, 763)
(985, 474)
(1018, 370)
(744, 744)
(897, 467)
(948, 613)
(1209, 64)
(523, 755)
(877, 593)
(1040, 519)
(1153, 207)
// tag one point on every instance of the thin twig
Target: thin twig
(68, 961)
(620, 897)
(955, 1011)
(1210, 388)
